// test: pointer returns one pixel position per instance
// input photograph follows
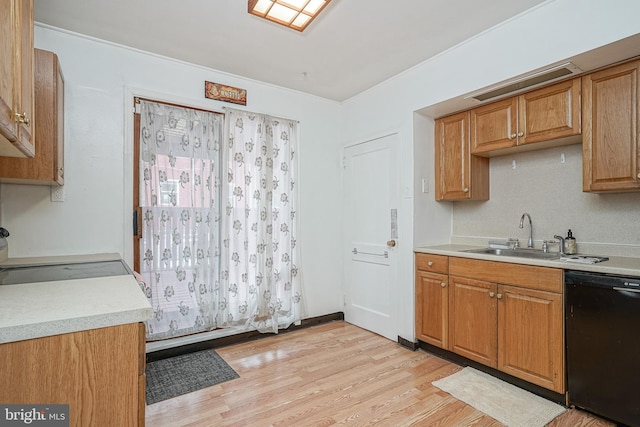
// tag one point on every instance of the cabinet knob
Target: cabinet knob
(430, 263)
(499, 296)
(520, 134)
(465, 189)
(22, 118)
(513, 135)
(492, 294)
(638, 175)
(444, 285)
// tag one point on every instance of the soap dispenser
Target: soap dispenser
(570, 246)
(4, 246)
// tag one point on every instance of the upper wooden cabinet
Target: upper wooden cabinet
(549, 115)
(610, 151)
(16, 78)
(47, 166)
(459, 175)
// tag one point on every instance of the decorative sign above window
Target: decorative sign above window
(225, 93)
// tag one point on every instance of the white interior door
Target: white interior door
(371, 184)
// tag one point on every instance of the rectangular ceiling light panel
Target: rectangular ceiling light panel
(296, 14)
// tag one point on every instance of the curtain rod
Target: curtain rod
(137, 99)
(265, 114)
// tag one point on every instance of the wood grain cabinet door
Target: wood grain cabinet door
(494, 126)
(530, 341)
(459, 175)
(473, 319)
(550, 113)
(16, 78)
(610, 151)
(432, 308)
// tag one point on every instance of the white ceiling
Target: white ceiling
(350, 47)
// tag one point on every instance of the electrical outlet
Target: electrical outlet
(57, 194)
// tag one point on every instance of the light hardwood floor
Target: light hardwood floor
(331, 374)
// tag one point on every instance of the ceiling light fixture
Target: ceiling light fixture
(295, 14)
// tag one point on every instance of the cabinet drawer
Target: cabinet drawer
(432, 263)
(526, 276)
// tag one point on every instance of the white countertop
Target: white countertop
(623, 266)
(34, 310)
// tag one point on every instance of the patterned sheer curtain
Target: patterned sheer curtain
(179, 196)
(260, 284)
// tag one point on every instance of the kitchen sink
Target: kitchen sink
(517, 252)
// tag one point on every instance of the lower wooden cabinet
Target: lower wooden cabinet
(530, 336)
(506, 316)
(473, 329)
(432, 308)
(95, 372)
(432, 299)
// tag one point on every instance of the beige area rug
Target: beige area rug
(506, 403)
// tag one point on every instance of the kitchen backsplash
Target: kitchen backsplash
(548, 185)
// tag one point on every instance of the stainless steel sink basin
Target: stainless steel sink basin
(518, 252)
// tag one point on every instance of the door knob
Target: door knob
(391, 243)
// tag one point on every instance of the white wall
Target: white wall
(556, 30)
(96, 215)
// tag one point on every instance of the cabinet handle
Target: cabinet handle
(520, 134)
(22, 118)
(430, 263)
(444, 285)
(492, 294)
(499, 296)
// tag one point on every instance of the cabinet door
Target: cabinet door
(610, 152)
(531, 337)
(494, 126)
(95, 372)
(459, 176)
(432, 308)
(8, 125)
(46, 167)
(24, 73)
(16, 78)
(473, 320)
(550, 113)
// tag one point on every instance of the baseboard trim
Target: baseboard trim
(411, 345)
(239, 338)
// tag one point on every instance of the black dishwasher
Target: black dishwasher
(603, 344)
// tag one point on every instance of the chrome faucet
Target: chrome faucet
(530, 241)
(560, 244)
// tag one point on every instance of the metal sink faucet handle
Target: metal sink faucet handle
(530, 241)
